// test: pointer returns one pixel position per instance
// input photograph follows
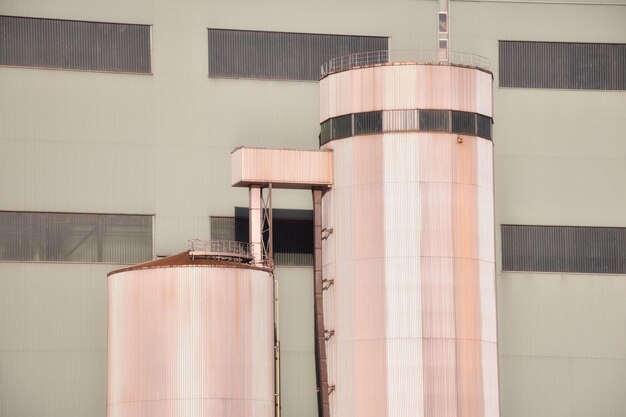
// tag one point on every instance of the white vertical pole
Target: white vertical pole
(255, 219)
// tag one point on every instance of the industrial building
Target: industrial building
(117, 123)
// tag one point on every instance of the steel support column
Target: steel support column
(255, 223)
(321, 368)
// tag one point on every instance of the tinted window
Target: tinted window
(463, 122)
(434, 120)
(599, 250)
(369, 122)
(73, 44)
(278, 55)
(341, 126)
(69, 237)
(325, 132)
(586, 66)
(484, 126)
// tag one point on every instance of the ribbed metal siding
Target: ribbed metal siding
(600, 250)
(277, 55)
(69, 237)
(411, 259)
(69, 44)
(400, 120)
(54, 339)
(577, 66)
(195, 341)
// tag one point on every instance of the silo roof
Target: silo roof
(185, 259)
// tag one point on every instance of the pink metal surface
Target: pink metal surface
(190, 341)
(411, 251)
(284, 168)
(401, 87)
(255, 216)
(440, 380)
(358, 347)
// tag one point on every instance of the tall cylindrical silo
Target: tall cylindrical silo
(191, 336)
(408, 242)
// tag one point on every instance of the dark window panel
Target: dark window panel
(484, 126)
(69, 237)
(443, 22)
(278, 55)
(293, 242)
(70, 44)
(293, 234)
(434, 120)
(341, 127)
(407, 120)
(369, 122)
(224, 228)
(464, 122)
(596, 250)
(564, 65)
(325, 132)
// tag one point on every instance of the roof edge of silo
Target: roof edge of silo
(364, 60)
(185, 259)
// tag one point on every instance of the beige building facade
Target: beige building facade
(152, 141)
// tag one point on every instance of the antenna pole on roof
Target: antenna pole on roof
(444, 30)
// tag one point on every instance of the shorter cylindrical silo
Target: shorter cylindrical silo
(190, 337)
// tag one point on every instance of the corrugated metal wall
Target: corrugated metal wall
(69, 44)
(277, 55)
(399, 120)
(114, 143)
(53, 322)
(598, 250)
(71, 237)
(567, 65)
(406, 87)
(411, 257)
(191, 341)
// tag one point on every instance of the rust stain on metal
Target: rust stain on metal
(184, 259)
(440, 185)
(406, 87)
(190, 335)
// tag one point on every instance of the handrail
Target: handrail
(235, 249)
(365, 59)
